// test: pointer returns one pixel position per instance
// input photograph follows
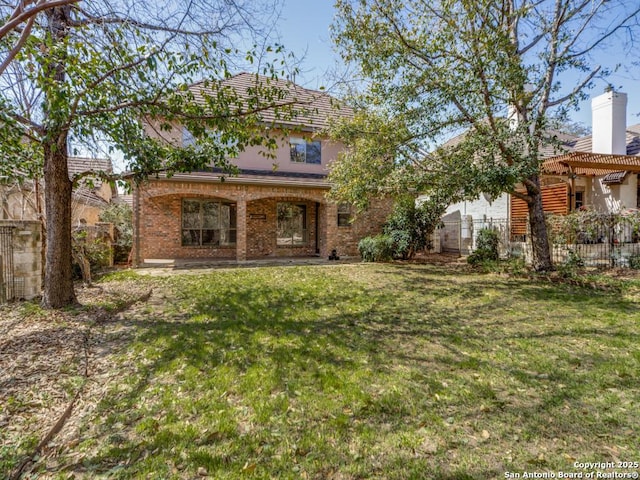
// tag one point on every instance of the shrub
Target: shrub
(634, 261)
(410, 225)
(376, 249)
(569, 268)
(121, 216)
(88, 253)
(487, 247)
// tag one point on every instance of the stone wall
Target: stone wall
(27, 258)
(158, 217)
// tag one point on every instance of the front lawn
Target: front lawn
(357, 371)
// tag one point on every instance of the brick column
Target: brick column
(329, 219)
(241, 230)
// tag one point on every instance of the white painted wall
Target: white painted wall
(480, 209)
(613, 198)
(629, 191)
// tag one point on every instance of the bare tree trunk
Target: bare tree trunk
(58, 277)
(538, 226)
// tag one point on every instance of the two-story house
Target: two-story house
(276, 207)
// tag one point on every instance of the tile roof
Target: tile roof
(123, 199)
(79, 165)
(614, 177)
(252, 177)
(555, 143)
(583, 144)
(89, 197)
(315, 107)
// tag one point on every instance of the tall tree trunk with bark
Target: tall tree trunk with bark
(538, 226)
(58, 276)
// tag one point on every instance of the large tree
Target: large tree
(491, 71)
(104, 72)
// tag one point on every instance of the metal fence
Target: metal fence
(598, 240)
(605, 241)
(461, 236)
(7, 287)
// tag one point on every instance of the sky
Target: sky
(304, 27)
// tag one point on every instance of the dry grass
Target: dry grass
(344, 372)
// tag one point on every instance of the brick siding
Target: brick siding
(158, 217)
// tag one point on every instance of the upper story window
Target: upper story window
(303, 151)
(187, 138)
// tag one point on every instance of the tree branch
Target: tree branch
(576, 90)
(20, 15)
(19, 44)
(522, 196)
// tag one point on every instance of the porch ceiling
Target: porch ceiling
(590, 164)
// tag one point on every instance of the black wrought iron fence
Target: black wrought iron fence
(596, 239)
(584, 238)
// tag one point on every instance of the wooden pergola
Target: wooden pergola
(589, 164)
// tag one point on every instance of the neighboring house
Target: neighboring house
(25, 201)
(92, 195)
(599, 172)
(21, 213)
(273, 208)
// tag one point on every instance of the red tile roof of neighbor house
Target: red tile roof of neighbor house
(314, 108)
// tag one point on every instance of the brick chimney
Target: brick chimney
(609, 123)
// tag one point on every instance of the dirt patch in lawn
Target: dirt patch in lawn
(54, 366)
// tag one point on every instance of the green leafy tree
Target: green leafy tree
(110, 72)
(489, 71)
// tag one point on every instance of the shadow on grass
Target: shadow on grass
(427, 351)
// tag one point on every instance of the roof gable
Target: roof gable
(316, 107)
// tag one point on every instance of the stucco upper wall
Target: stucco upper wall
(253, 157)
(256, 157)
(153, 128)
